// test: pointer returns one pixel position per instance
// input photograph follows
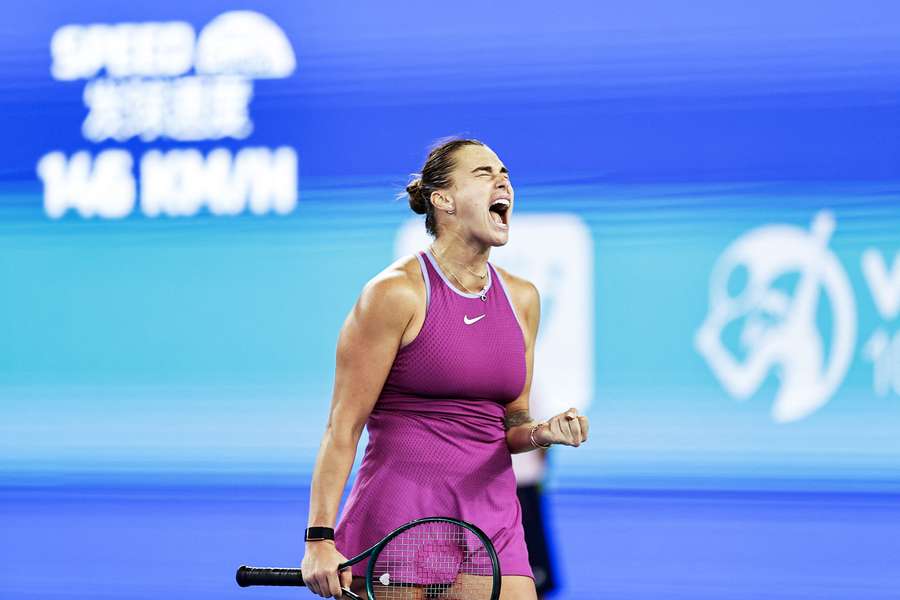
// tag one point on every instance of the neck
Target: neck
(467, 260)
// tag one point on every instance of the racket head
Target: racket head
(434, 557)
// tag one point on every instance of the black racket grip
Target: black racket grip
(268, 576)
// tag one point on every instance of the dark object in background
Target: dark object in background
(531, 499)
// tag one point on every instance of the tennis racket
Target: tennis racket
(431, 558)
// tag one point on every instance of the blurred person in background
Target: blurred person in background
(531, 470)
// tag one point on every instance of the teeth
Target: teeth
(502, 201)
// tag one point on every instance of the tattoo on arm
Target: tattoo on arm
(514, 419)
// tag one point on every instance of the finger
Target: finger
(585, 425)
(563, 435)
(321, 585)
(334, 586)
(575, 431)
(346, 576)
(554, 430)
(560, 427)
(575, 428)
(572, 427)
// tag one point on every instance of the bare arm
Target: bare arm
(518, 421)
(567, 428)
(367, 345)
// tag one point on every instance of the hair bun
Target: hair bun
(417, 200)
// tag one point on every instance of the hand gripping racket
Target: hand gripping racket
(431, 558)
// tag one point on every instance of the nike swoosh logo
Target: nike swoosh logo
(469, 321)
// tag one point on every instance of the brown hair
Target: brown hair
(435, 175)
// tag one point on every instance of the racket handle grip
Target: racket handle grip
(268, 576)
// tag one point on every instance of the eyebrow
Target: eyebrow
(489, 169)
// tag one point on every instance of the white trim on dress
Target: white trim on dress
(434, 264)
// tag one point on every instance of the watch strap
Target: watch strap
(317, 534)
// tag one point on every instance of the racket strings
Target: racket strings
(437, 560)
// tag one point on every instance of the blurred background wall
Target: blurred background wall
(193, 194)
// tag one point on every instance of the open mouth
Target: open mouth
(499, 212)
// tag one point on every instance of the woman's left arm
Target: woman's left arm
(522, 432)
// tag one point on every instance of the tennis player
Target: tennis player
(435, 359)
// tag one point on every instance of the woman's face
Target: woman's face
(480, 182)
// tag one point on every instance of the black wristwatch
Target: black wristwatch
(317, 534)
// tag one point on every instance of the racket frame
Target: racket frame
(376, 549)
(296, 576)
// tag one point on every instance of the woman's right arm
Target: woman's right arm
(367, 345)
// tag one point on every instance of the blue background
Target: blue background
(165, 382)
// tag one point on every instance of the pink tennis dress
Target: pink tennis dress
(437, 444)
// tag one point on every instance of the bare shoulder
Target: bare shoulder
(524, 294)
(394, 294)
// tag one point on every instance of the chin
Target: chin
(492, 237)
(501, 240)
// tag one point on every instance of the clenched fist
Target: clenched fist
(568, 428)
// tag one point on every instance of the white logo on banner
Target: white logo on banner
(244, 43)
(139, 85)
(883, 348)
(556, 253)
(778, 328)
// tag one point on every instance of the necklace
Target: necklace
(478, 275)
(482, 294)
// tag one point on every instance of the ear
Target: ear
(442, 202)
